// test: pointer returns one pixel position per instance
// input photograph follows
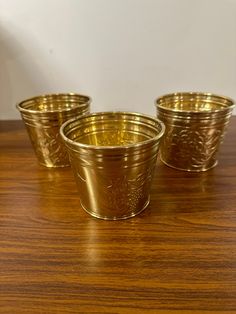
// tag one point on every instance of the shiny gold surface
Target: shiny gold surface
(195, 126)
(43, 116)
(113, 156)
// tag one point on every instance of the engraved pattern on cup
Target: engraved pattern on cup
(113, 157)
(195, 127)
(43, 116)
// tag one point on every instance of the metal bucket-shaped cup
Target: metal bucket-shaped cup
(195, 126)
(43, 116)
(113, 156)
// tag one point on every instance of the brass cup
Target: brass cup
(195, 126)
(43, 116)
(113, 156)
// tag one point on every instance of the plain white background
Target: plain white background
(123, 53)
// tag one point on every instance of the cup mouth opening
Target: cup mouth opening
(194, 103)
(53, 103)
(111, 118)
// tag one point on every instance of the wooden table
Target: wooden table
(179, 256)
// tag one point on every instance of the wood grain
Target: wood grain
(179, 256)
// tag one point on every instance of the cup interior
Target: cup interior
(113, 129)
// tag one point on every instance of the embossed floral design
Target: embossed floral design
(192, 147)
(124, 192)
(119, 193)
(48, 145)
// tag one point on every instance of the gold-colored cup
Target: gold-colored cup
(43, 116)
(113, 156)
(195, 126)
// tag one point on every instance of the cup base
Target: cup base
(114, 217)
(189, 170)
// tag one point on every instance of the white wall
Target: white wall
(123, 53)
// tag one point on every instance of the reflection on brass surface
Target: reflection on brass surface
(195, 126)
(113, 156)
(43, 116)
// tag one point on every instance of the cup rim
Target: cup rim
(24, 110)
(110, 147)
(228, 99)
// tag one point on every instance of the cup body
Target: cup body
(43, 116)
(195, 127)
(113, 156)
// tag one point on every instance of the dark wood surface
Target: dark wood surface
(179, 256)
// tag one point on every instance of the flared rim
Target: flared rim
(87, 101)
(229, 102)
(110, 147)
